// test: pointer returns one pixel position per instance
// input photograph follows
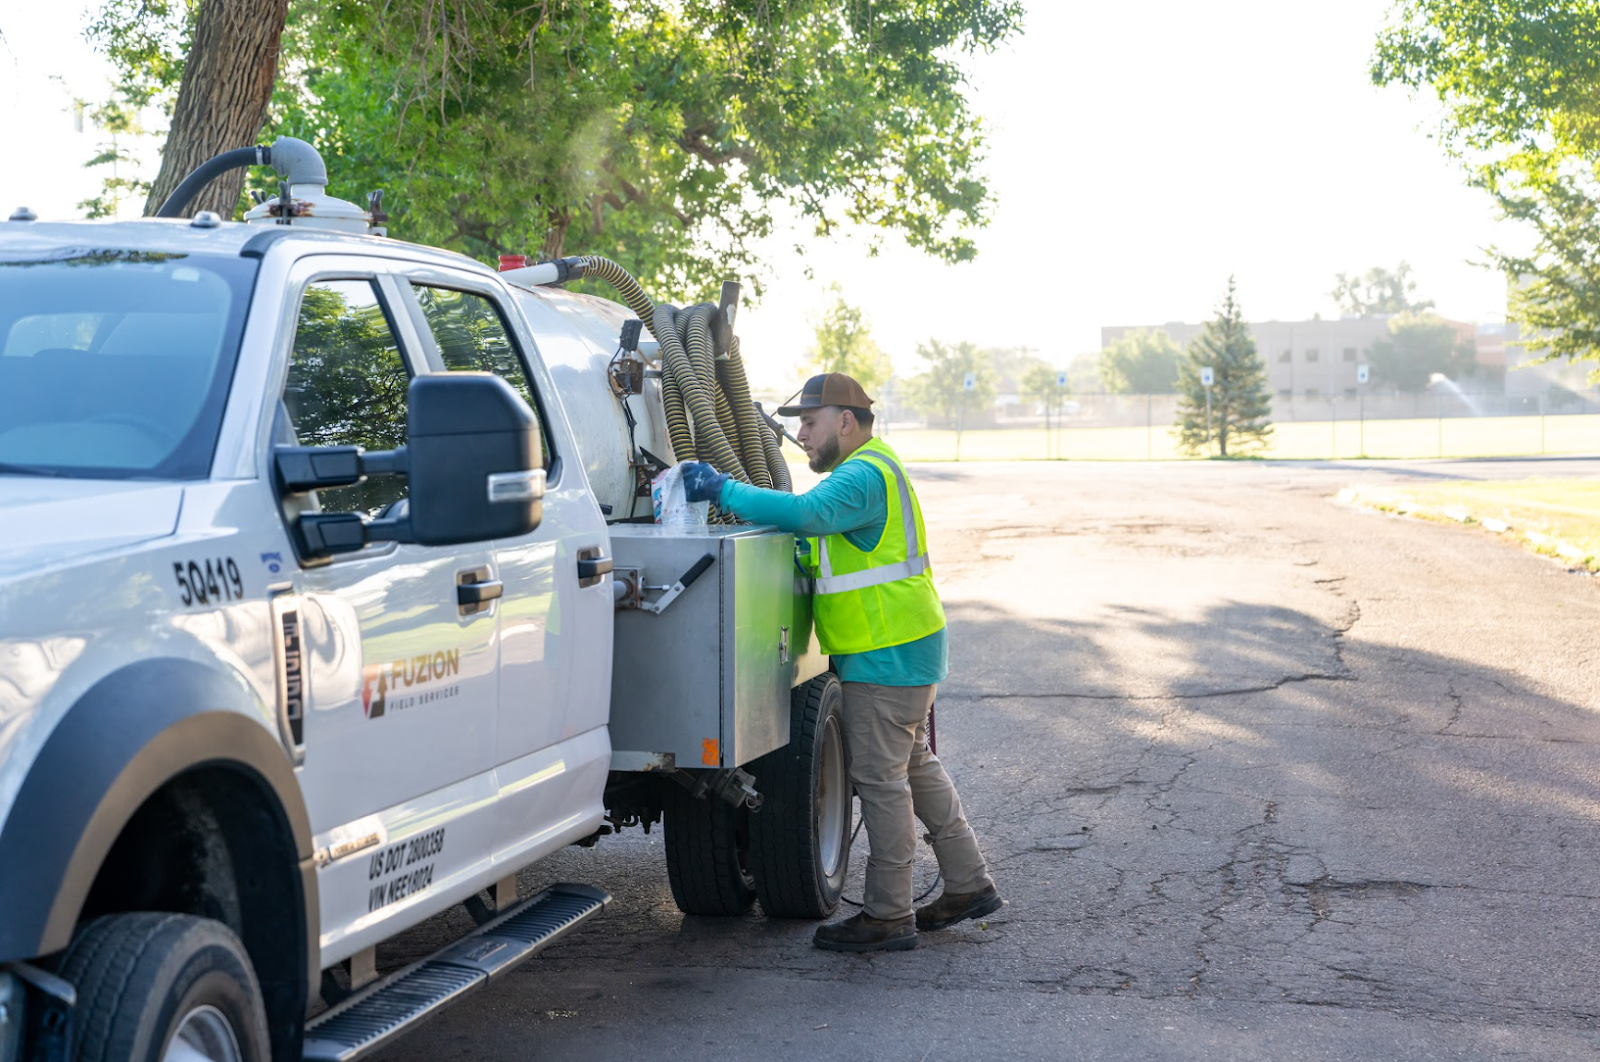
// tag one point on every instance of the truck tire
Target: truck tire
(800, 839)
(157, 987)
(708, 854)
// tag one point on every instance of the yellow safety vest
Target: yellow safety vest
(884, 596)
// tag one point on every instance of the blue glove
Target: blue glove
(701, 482)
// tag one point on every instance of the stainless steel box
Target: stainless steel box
(706, 683)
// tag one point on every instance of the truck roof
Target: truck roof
(182, 235)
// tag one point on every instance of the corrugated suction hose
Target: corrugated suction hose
(710, 415)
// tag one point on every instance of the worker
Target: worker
(878, 616)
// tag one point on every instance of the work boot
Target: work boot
(865, 933)
(953, 907)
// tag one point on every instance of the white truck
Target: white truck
(329, 599)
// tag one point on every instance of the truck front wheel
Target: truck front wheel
(155, 987)
(800, 839)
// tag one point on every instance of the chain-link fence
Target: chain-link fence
(1436, 423)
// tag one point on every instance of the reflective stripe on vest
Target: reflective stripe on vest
(916, 561)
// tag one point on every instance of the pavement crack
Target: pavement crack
(1146, 698)
(1455, 706)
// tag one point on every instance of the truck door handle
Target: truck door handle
(593, 567)
(474, 590)
(479, 593)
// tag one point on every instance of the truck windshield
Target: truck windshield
(116, 363)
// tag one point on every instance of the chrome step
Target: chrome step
(396, 1004)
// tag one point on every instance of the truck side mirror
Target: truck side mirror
(473, 458)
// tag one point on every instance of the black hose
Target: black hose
(207, 172)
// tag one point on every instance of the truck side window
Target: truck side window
(347, 385)
(472, 338)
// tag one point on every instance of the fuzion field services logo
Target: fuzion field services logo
(388, 685)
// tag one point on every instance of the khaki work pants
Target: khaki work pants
(897, 777)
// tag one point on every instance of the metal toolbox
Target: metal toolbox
(705, 682)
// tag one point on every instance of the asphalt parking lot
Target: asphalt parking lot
(1262, 776)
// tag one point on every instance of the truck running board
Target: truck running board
(376, 1015)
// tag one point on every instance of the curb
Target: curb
(1539, 541)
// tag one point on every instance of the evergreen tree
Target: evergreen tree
(1240, 402)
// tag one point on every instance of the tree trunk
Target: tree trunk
(222, 102)
(555, 237)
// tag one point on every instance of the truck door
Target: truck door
(399, 744)
(555, 619)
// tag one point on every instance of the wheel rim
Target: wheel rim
(204, 1035)
(833, 801)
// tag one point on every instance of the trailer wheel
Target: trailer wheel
(708, 854)
(800, 839)
(168, 987)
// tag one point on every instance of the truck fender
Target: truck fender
(130, 733)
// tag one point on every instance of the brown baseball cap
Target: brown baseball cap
(827, 389)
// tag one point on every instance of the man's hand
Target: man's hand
(702, 482)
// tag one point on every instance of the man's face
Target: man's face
(819, 435)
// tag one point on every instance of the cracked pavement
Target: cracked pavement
(1262, 777)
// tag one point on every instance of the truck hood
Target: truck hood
(44, 522)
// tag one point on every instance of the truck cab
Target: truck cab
(308, 614)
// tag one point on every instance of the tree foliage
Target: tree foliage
(1378, 291)
(1420, 345)
(673, 137)
(1042, 385)
(1239, 404)
(1083, 373)
(940, 391)
(1520, 84)
(1141, 362)
(844, 344)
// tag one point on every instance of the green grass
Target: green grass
(1557, 517)
(1462, 437)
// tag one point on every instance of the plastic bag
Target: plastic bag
(670, 499)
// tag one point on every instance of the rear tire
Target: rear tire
(800, 839)
(708, 854)
(155, 987)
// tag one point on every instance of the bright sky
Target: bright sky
(1140, 154)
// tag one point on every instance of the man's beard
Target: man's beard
(827, 455)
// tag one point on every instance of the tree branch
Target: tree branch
(693, 140)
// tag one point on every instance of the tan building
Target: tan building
(1304, 359)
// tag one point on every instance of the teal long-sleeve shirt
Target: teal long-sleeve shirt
(853, 502)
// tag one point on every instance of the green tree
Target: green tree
(1141, 362)
(1042, 384)
(120, 124)
(1378, 291)
(672, 137)
(940, 391)
(216, 94)
(1083, 373)
(1011, 365)
(1240, 403)
(844, 344)
(1520, 84)
(1420, 345)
